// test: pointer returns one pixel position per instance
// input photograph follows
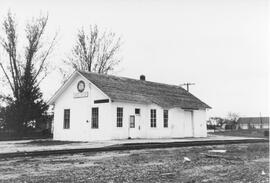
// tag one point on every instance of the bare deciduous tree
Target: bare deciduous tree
(96, 51)
(35, 55)
(23, 72)
(233, 116)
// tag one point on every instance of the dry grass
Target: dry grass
(243, 133)
(241, 163)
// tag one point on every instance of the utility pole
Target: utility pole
(261, 126)
(187, 84)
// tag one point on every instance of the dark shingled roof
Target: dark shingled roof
(253, 120)
(145, 92)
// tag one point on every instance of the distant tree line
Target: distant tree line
(229, 122)
(23, 68)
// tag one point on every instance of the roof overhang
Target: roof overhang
(188, 109)
(62, 88)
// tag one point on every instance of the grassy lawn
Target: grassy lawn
(240, 163)
(243, 133)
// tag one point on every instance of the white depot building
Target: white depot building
(91, 107)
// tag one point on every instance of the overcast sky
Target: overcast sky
(221, 45)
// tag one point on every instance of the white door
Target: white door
(134, 127)
(188, 124)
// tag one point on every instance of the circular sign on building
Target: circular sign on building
(81, 86)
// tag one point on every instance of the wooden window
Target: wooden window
(132, 121)
(165, 118)
(137, 111)
(119, 117)
(95, 117)
(153, 118)
(66, 118)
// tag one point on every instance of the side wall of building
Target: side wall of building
(179, 125)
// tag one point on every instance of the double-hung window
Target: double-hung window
(66, 118)
(153, 118)
(119, 117)
(165, 118)
(95, 117)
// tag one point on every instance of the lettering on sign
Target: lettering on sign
(80, 95)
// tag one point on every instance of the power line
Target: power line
(187, 84)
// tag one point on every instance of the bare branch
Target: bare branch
(12, 88)
(10, 44)
(45, 56)
(34, 62)
(95, 52)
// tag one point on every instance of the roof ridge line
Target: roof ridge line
(110, 75)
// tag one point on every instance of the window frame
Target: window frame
(66, 124)
(165, 118)
(119, 117)
(94, 118)
(153, 118)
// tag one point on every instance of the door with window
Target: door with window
(133, 127)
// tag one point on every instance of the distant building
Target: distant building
(253, 122)
(93, 107)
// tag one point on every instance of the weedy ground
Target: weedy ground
(259, 133)
(240, 163)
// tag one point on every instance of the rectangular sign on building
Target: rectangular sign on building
(80, 95)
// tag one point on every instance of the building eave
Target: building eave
(52, 100)
(61, 89)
